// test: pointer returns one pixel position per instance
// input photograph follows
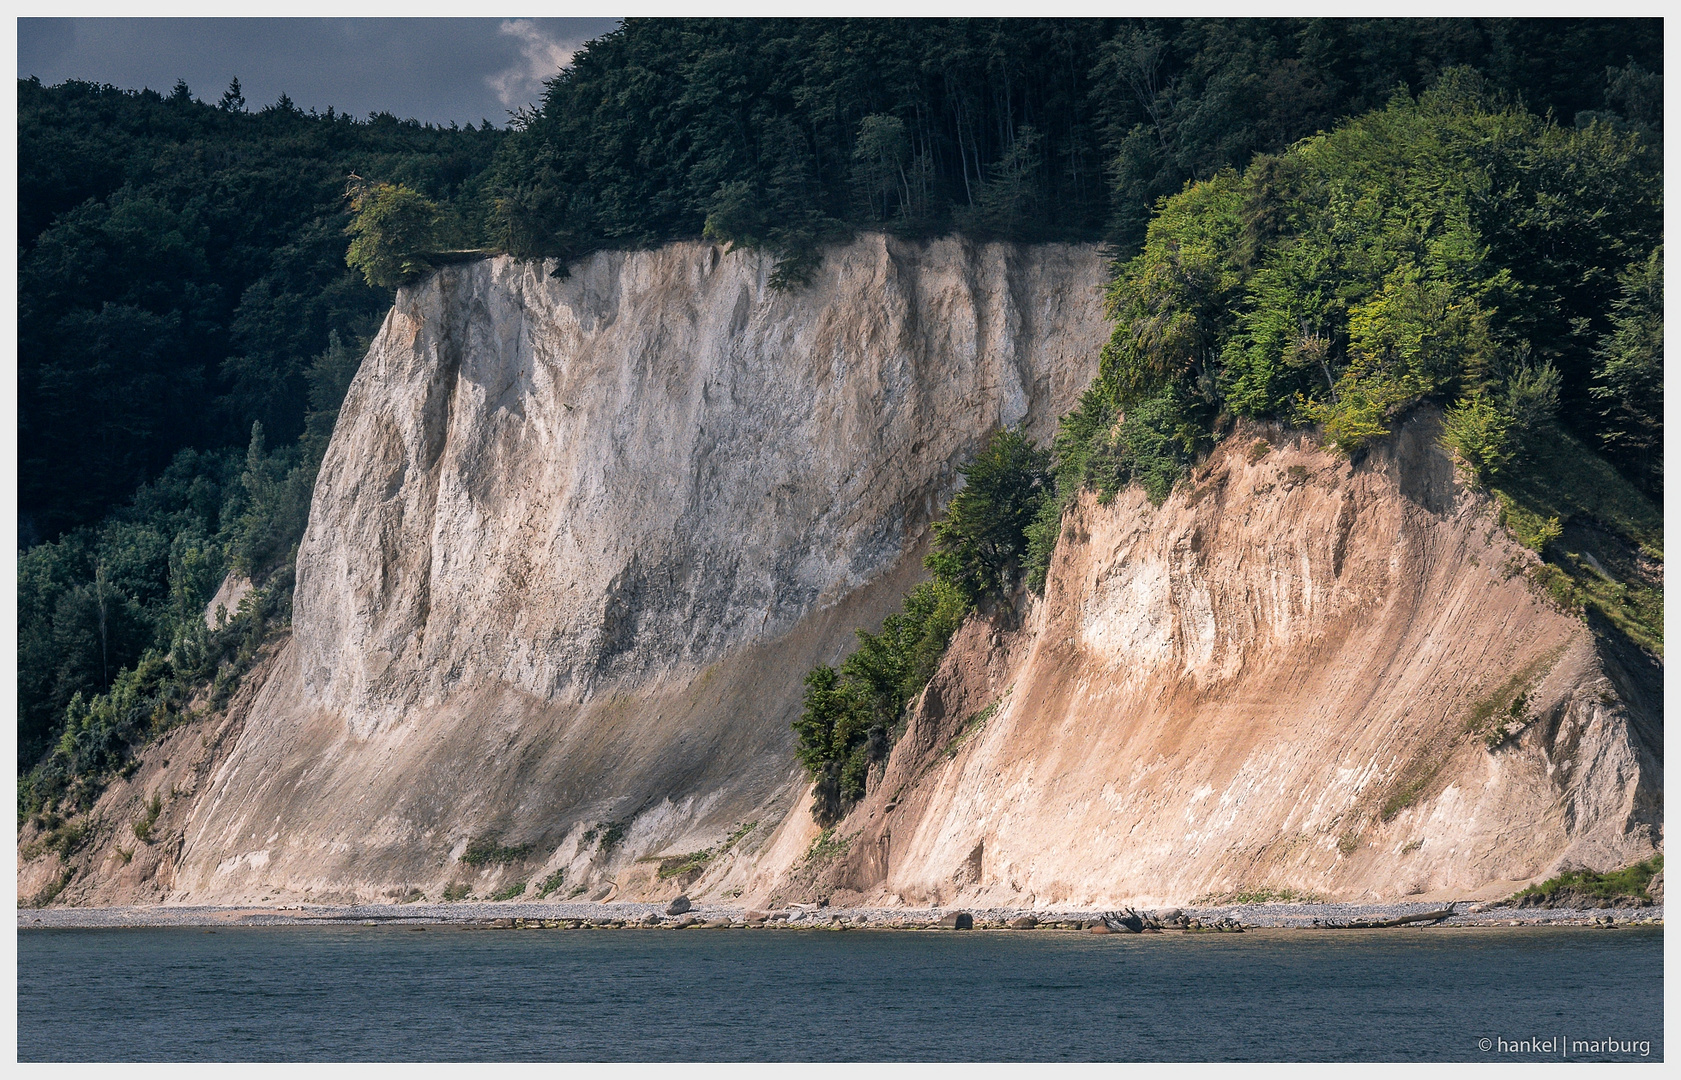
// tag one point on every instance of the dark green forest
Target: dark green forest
(188, 320)
(780, 134)
(187, 326)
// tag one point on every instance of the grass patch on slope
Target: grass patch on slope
(1576, 886)
(1601, 539)
(488, 851)
(695, 861)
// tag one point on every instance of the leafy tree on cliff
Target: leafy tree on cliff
(394, 229)
(1628, 375)
(853, 715)
(980, 542)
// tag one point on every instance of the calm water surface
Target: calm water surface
(355, 993)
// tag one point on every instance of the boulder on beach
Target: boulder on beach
(678, 906)
(958, 920)
(1025, 922)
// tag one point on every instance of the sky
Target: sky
(434, 70)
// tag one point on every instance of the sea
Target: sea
(442, 993)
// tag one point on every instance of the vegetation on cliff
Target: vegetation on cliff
(852, 716)
(393, 230)
(1450, 248)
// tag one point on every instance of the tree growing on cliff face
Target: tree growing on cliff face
(980, 542)
(394, 229)
(1628, 377)
(852, 715)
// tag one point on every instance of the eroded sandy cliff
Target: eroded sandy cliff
(1297, 676)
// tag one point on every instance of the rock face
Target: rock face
(576, 487)
(578, 538)
(1286, 680)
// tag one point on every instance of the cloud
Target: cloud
(541, 56)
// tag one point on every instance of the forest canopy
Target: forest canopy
(780, 133)
(179, 265)
(1449, 247)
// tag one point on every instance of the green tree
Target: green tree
(1006, 204)
(852, 715)
(880, 157)
(233, 99)
(394, 229)
(1481, 433)
(1628, 375)
(980, 542)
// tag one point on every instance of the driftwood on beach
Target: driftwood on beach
(1378, 924)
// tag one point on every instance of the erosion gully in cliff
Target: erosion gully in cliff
(579, 537)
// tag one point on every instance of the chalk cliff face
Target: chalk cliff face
(578, 539)
(1298, 676)
(583, 486)
(575, 543)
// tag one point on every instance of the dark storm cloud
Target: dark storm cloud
(436, 70)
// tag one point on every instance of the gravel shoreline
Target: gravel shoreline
(528, 915)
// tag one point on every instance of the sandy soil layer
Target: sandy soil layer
(533, 915)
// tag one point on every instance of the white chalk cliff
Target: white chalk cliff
(578, 538)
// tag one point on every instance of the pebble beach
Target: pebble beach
(572, 915)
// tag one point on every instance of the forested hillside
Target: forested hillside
(188, 322)
(180, 263)
(782, 133)
(181, 278)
